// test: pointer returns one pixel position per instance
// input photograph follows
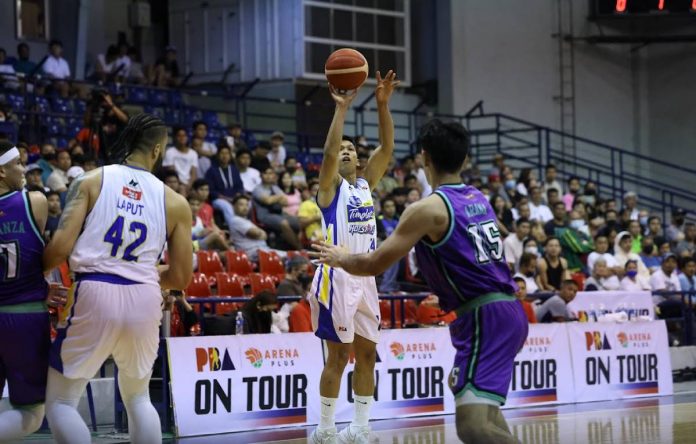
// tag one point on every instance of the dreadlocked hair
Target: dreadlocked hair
(142, 133)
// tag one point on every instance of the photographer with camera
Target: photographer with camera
(103, 122)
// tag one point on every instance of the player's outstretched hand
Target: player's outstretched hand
(385, 86)
(329, 254)
(57, 295)
(342, 100)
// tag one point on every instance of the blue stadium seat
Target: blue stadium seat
(42, 104)
(157, 112)
(171, 116)
(158, 97)
(175, 98)
(62, 106)
(73, 125)
(137, 94)
(79, 106)
(54, 129)
(15, 100)
(211, 119)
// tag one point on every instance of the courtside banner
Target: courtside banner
(590, 305)
(231, 383)
(411, 375)
(619, 360)
(542, 367)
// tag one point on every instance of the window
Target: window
(377, 28)
(32, 19)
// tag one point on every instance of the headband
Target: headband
(9, 155)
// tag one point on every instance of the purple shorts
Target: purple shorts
(26, 341)
(487, 340)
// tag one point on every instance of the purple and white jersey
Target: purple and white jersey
(21, 249)
(468, 262)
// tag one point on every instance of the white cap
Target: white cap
(74, 172)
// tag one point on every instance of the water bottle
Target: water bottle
(239, 327)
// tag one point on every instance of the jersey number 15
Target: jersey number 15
(486, 238)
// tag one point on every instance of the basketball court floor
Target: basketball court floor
(663, 420)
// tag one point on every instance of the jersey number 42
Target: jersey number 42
(114, 236)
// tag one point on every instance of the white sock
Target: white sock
(362, 410)
(328, 413)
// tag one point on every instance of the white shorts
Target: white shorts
(103, 319)
(344, 305)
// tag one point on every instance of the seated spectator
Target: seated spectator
(8, 77)
(171, 179)
(576, 245)
(56, 68)
(602, 278)
(400, 196)
(601, 245)
(675, 231)
(244, 234)
(388, 183)
(292, 166)
(411, 182)
(558, 221)
(503, 215)
(309, 213)
(525, 182)
(106, 67)
(424, 186)
(555, 308)
(234, 139)
(58, 180)
(54, 212)
(522, 297)
(687, 246)
(280, 317)
(300, 320)
(538, 210)
(123, 60)
(251, 178)
(22, 64)
(257, 312)
(531, 246)
(413, 196)
(73, 173)
(538, 233)
(623, 253)
(552, 268)
(386, 224)
(521, 209)
(296, 279)
(225, 183)
(259, 157)
(182, 159)
(635, 231)
(513, 244)
(573, 191)
(292, 194)
(204, 238)
(201, 190)
(527, 270)
(136, 71)
(33, 178)
(632, 281)
(269, 201)
(648, 254)
(165, 72)
(577, 222)
(551, 182)
(687, 280)
(654, 229)
(277, 153)
(666, 279)
(631, 205)
(206, 150)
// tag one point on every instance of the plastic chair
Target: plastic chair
(260, 282)
(199, 286)
(228, 285)
(271, 264)
(410, 315)
(579, 278)
(238, 263)
(209, 262)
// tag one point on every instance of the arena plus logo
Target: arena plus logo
(537, 343)
(276, 357)
(623, 339)
(637, 340)
(416, 350)
(595, 340)
(210, 359)
(397, 350)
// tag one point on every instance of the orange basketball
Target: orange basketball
(346, 69)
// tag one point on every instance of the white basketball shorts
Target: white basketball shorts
(344, 305)
(108, 316)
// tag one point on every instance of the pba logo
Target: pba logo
(397, 350)
(623, 339)
(594, 340)
(210, 359)
(254, 356)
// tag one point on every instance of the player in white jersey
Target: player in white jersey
(345, 308)
(113, 229)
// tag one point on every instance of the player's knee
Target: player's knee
(365, 357)
(32, 418)
(469, 432)
(339, 358)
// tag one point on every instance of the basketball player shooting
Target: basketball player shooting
(460, 254)
(113, 229)
(345, 308)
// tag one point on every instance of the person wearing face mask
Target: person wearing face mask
(531, 245)
(623, 253)
(527, 271)
(602, 278)
(632, 281)
(589, 196)
(675, 231)
(648, 254)
(576, 243)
